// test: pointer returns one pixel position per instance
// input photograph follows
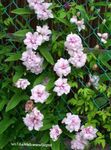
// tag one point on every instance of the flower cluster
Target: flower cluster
(81, 140)
(79, 23)
(44, 32)
(103, 37)
(78, 143)
(55, 132)
(33, 40)
(22, 83)
(32, 61)
(74, 47)
(41, 8)
(39, 94)
(34, 120)
(72, 122)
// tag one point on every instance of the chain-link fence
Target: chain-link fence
(89, 37)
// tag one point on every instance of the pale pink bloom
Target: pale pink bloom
(62, 67)
(78, 60)
(32, 61)
(33, 3)
(39, 93)
(79, 23)
(34, 120)
(33, 40)
(73, 19)
(43, 12)
(94, 80)
(22, 83)
(55, 132)
(78, 143)
(72, 122)
(103, 37)
(73, 43)
(88, 133)
(61, 87)
(44, 32)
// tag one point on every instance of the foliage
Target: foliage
(93, 105)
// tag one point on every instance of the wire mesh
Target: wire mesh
(90, 39)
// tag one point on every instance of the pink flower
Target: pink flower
(22, 83)
(33, 3)
(62, 67)
(32, 61)
(39, 94)
(61, 86)
(73, 43)
(79, 23)
(103, 37)
(73, 19)
(44, 32)
(55, 132)
(32, 41)
(72, 122)
(34, 120)
(94, 80)
(88, 133)
(78, 143)
(78, 59)
(43, 12)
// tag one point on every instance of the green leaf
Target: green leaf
(40, 78)
(46, 125)
(15, 100)
(5, 123)
(105, 77)
(14, 57)
(101, 101)
(55, 145)
(44, 51)
(45, 138)
(21, 33)
(50, 99)
(101, 4)
(104, 58)
(22, 11)
(2, 103)
(18, 74)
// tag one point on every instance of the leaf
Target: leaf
(62, 20)
(22, 11)
(45, 138)
(15, 100)
(14, 57)
(104, 58)
(101, 4)
(100, 101)
(21, 33)
(2, 103)
(5, 123)
(55, 145)
(44, 51)
(40, 78)
(46, 125)
(18, 74)
(50, 99)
